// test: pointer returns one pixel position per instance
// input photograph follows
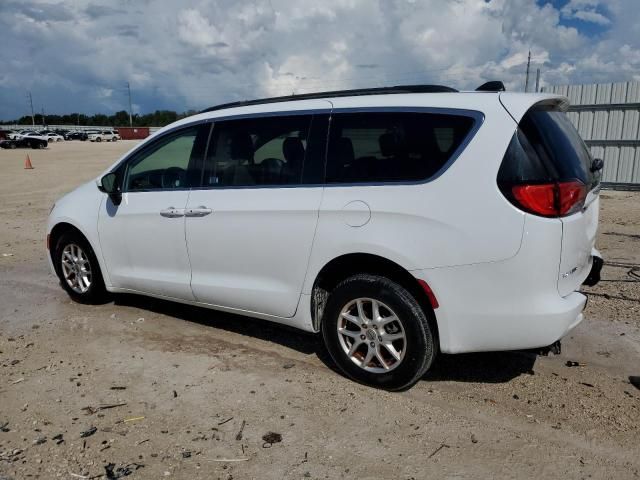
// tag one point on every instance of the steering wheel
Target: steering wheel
(172, 177)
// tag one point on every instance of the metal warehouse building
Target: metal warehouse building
(607, 115)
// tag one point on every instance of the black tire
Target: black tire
(98, 139)
(419, 345)
(12, 146)
(96, 293)
(42, 145)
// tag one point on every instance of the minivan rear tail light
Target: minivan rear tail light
(554, 199)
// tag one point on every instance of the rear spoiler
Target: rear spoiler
(517, 104)
(492, 86)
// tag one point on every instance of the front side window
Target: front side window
(258, 151)
(164, 164)
(392, 146)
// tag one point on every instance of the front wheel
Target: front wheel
(377, 333)
(78, 269)
(98, 139)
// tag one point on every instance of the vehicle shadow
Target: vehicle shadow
(491, 367)
(494, 367)
(289, 337)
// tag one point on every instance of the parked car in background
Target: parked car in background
(19, 134)
(37, 135)
(104, 136)
(397, 223)
(53, 137)
(77, 135)
(24, 142)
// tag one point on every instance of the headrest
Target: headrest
(241, 147)
(345, 150)
(387, 143)
(292, 149)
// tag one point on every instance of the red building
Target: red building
(133, 133)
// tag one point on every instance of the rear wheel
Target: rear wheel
(377, 333)
(78, 269)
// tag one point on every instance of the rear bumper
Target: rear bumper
(477, 314)
(507, 305)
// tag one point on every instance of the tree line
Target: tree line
(159, 118)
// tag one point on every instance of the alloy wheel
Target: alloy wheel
(371, 335)
(76, 268)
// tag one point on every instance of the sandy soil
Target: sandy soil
(200, 389)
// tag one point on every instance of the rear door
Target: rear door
(566, 159)
(251, 224)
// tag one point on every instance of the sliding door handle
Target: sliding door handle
(200, 211)
(172, 212)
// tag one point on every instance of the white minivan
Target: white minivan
(396, 222)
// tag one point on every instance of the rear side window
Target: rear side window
(259, 151)
(547, 148)
(377, 147)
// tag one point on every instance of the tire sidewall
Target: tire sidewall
(96, 292)
(420, 346)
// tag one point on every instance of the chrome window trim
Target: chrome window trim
(477, 116)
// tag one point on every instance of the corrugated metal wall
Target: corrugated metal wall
(607, 116)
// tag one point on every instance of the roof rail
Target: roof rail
(338, 93)
(493, 86)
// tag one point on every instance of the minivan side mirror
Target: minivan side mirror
(110, 185)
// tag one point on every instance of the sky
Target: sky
(79, 55)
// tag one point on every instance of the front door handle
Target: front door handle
(172, 212)
(200, 211)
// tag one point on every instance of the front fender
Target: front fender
(79, 209)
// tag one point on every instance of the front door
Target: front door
(142, 239)
(251, 226)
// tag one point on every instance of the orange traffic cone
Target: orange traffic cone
(27, 163)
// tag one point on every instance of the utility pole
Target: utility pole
(537, 80)
(33, 118)
(130, 118)
(526, 81)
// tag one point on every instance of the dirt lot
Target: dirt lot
(200, 389)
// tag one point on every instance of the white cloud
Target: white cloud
(585, 10)
(195, 53)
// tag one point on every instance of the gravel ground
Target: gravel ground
(162, 390)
